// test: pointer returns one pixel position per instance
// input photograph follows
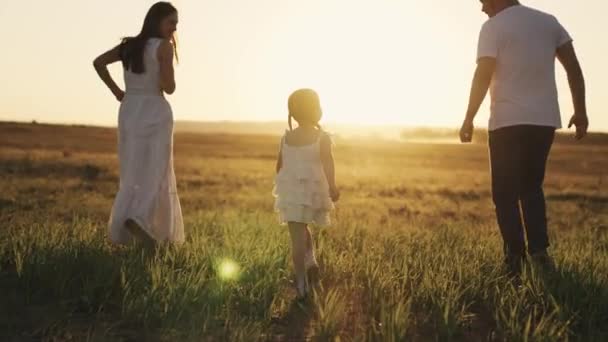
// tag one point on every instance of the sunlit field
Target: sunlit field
(413, 254)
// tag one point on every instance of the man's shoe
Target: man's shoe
(543, 261)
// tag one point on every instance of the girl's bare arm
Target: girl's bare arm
(327, 159)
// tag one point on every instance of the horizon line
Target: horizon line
(562, 130)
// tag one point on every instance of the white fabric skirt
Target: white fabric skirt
(147, 192)
(302, 195)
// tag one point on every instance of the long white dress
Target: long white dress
(301, 190)
(147, 192)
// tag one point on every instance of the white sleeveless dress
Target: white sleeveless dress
(147, 193)
(301, 190)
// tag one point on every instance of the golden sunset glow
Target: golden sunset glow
(403, 62)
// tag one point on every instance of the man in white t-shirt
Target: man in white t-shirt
(516, 56)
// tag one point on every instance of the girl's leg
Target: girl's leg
(310, 259)
(297, 231)
(309, 243)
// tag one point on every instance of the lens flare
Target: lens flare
(228, 270)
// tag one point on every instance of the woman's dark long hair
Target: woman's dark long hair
(132, 48)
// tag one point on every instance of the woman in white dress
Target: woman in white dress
(147, 206)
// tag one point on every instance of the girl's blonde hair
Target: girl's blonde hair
(304, 106)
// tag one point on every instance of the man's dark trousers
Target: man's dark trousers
(518, 157)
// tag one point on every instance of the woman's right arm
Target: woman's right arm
(167, 73)
(101, 66)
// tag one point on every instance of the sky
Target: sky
(401, 62)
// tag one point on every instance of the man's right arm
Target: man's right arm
(576, 80)
(487, 53)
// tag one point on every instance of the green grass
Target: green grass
(414, 253)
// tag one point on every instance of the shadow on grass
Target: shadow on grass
(566, 297)
(583, 299)
(71, 292)
(295, 324)
(82, 290)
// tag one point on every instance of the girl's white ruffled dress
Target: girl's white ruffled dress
(301, 190)
(147, 193)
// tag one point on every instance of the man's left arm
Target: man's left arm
(567, 56)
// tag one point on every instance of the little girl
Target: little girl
(305, 184)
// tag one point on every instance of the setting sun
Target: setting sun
(372, 62)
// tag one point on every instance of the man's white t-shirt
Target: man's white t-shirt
(523, 89)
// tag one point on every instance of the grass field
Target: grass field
(413, 254)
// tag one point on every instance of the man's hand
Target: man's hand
(486, 66)
(581, 122)
(466, 132)
(576, 80)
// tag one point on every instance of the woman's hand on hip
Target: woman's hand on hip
(119, 94)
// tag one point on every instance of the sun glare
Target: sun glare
(228, 270)
(363, 73)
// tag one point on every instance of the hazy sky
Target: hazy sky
(373, 61)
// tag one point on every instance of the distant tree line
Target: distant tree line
(481, 136)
